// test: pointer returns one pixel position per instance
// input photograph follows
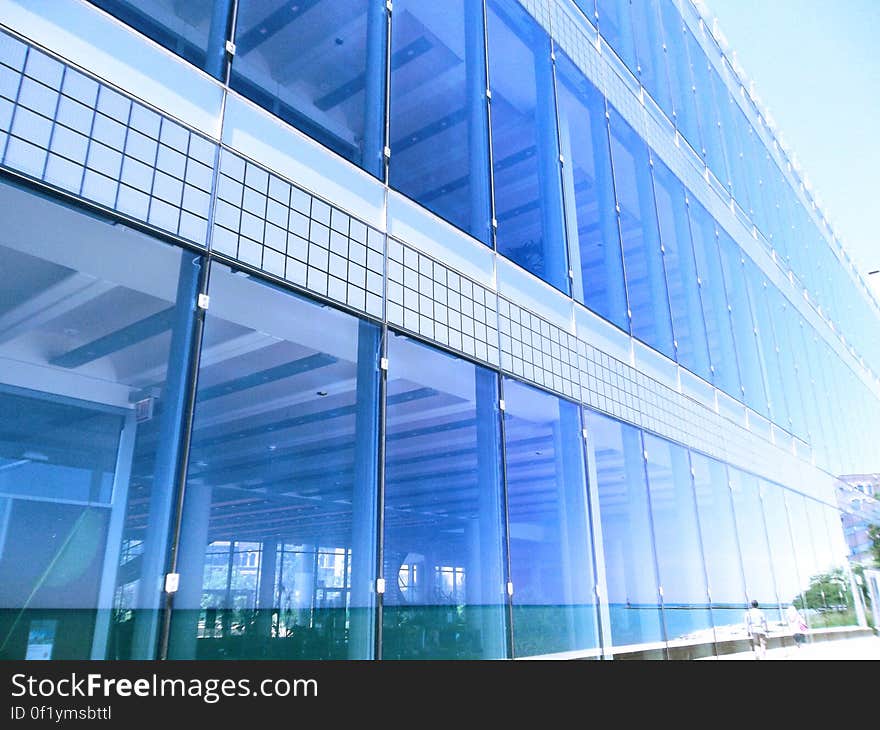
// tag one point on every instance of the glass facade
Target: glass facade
(197, 386)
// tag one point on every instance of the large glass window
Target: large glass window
(719, 334)
(551, 564)
(686, 614)
(640, 238)
(93, 357)
(593, 236)
(439, 119)
(525, 154)
(720, 546)
(320, 65)
(691, 347)
(805, 558)
(277, 548)
(615, 26)
(196, 29)
(444, 547)
(785, 568)
(744, 328)
(753, 543)
(681, 86)
(651, 52)
(825, 595)
(630, 568)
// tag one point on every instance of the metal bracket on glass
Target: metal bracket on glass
(172, 582)
(203, 301)
(387, 152)
(230, 48)
(388, 6)
(510, 588)
(383, 364)
(380, 586)
(501, 405)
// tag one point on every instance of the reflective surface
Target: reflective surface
(277, 551)
(444, 544)
(551, 563)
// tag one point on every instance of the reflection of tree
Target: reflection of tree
(874, 535)
(826, 592)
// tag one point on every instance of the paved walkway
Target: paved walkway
(856, 649)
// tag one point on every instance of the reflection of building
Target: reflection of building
(857, 495)
(469, 321)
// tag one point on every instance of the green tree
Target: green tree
(874, 534)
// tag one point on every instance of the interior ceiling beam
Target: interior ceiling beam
(271, 25)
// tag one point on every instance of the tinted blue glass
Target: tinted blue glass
(810, 385)
(188, 29)
(550, 543)
(444, 539)
(718, 330)
(785, 570)
(686, 614)
(681, 84)
(715, 97)
(88, 417)
(593, 238)
(753, 543)
(277, 551)
(691, 347)
(631, 572)
(648, 37)
(525, 154)
(320, 65)
(615, 26)
(825, 597)
(640, 238)
(768, 353)
(805, 558)
(438, 102)
(720, 545)
(743, 325)
(784, 331)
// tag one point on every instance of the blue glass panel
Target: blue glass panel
(277, 549)
(718, 330)
(805, 558)
(525, 150)
(195, 30)
(743, 325)
(615, 26)
(768, 354)
(714, 98)
(785, 569)
(691, 346)
(753, 543)
(93, 350)
(844, 611)
(438, 102)
(720, 546)
(631, 571)
(444, 540)
(640, 238)
(648, 38)
(551, 564)
(593, 236)
(824, 594)
(686, 614)
(320, 65)
(681, 84)
(784, 331)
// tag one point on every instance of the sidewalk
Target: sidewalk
(856, 649)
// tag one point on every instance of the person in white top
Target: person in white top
(796, 624)
(756, 623)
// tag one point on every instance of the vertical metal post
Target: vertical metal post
(363, 503)
(373, 152)
(218, 34)
(168, 460)
(380, 494)
(477, 120)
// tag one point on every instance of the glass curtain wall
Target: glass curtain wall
(94, 357)
(277, 550)
(438, 102)
(551, 558)
(525, 149)
(627, 539)
(444, 547)
(686, 614)
(320, 66)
